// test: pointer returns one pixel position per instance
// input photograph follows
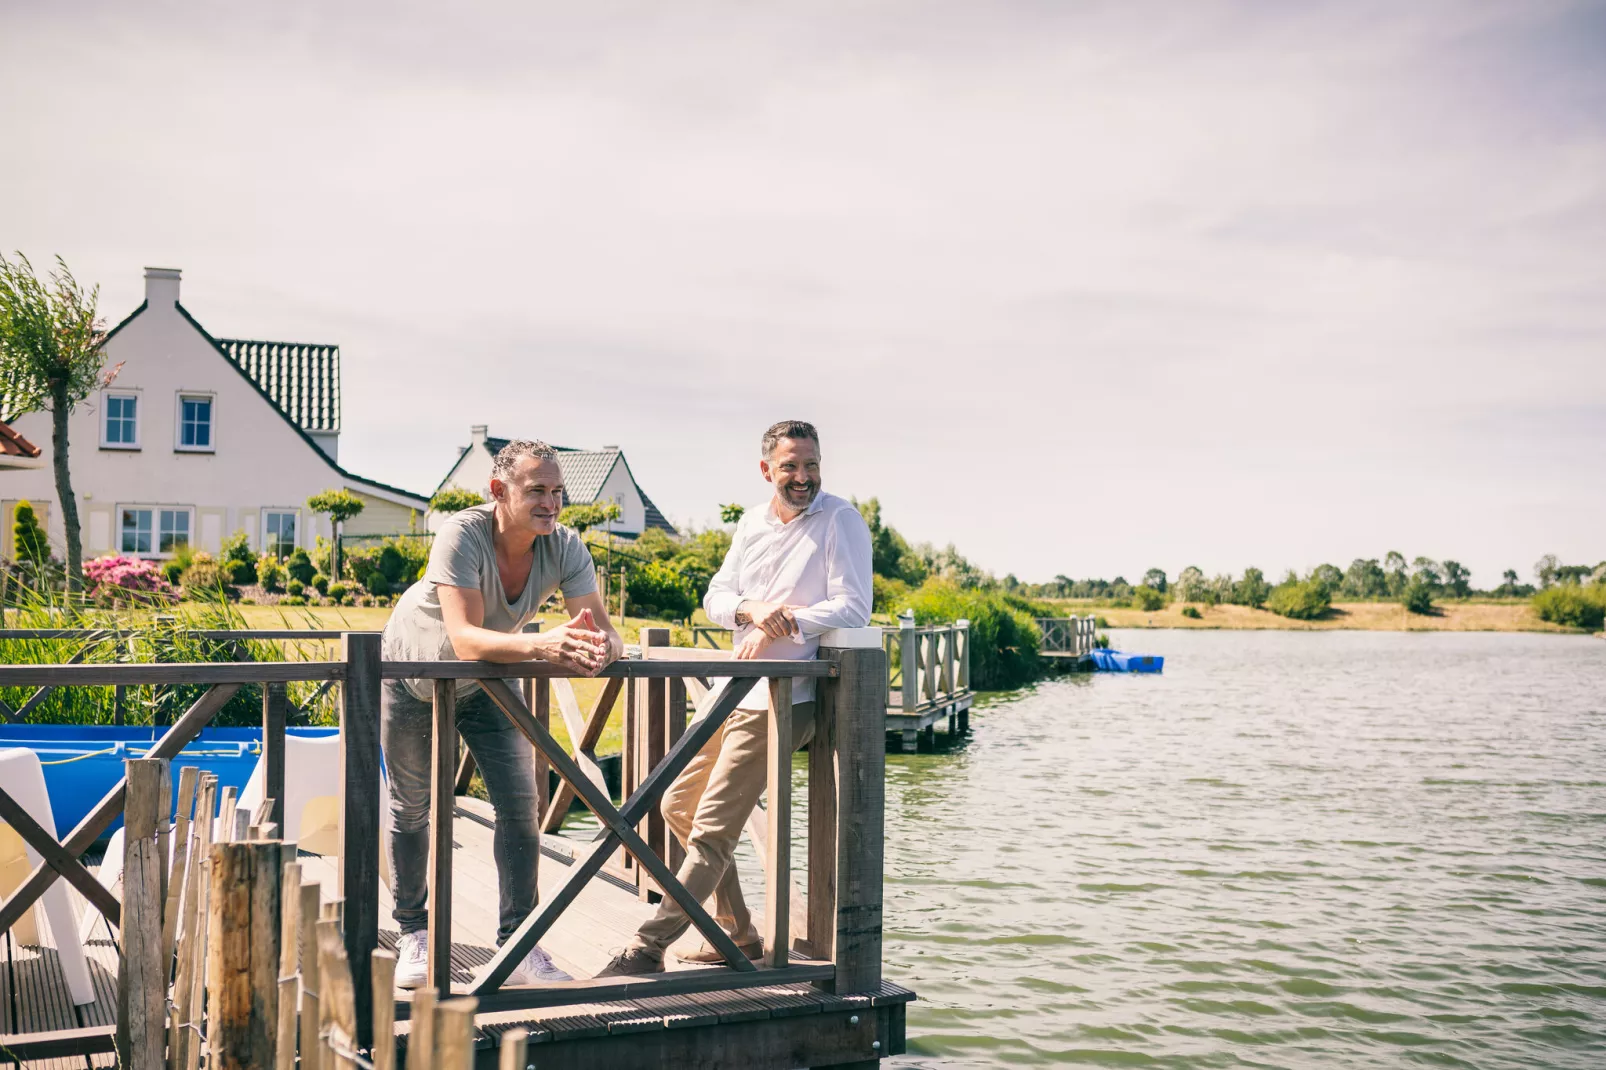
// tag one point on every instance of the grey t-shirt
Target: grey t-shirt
(464, 556)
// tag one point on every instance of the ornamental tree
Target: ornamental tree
(339, 505)
(50, 358)
(454, 500)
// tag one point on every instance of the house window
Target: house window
(279, 533)
(194, 423)
(121, 430)
(137, 531)
(174, 531)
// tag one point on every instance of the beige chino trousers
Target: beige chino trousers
(706, 808)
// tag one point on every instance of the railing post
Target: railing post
(443, 798)
(778, 830)
(652, 727)
(854, 700)
(359, 814)
(142, 974)
(275, 701)
(962, 625)
(909, 662)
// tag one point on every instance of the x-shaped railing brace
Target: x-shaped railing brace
(618, 827)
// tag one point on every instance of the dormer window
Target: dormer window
(120, 428)
(195, 423)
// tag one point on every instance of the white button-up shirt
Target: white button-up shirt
(820, 561)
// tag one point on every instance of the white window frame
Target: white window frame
(105, 416)
(178, 421)
(155, 553)
(262, 524)
(189, 528)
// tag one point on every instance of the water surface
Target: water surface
(1290, 850)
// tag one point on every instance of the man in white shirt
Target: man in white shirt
(798, 566)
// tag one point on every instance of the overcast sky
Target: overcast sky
(1081, 288)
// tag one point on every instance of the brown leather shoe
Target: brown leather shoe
(707, 956)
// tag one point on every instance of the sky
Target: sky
(1081, 288)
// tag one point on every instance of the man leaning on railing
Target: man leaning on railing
(798, 567)
(489, 571)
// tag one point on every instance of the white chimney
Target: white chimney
(161, 287)
(477, 433)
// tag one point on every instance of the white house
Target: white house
(588, 476)
(197, 437)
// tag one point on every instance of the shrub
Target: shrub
(292, 599)
(1192, 613)
(660, 591)
(172, 570)
(337, 592)
(127, 580)
(1572, 606)
(238, 563)
(294, 589)
(1300, 599)
(320, 583)
(1100, 622)
(376, 583)
(391, 562)
(1148, 599)
(890, 594)
(299, 566)
(1417, 597)
(270, 574)
(28, 535)
(204, 579)
(1003, 638)
(455, 500)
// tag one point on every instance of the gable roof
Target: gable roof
(14, 445)
(585, 472)
(302, 378)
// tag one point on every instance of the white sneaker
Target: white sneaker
(536, 968)
(412, 959)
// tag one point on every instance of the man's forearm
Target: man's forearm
(472, 643)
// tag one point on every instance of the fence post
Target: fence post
(652, 722)
(856, 700)
(359, 815)
(275, 703)
(243, 957)
(142, 973)
(443, 781)
(909, 661)
(964, 657)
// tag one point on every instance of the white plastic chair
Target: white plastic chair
(24, 780)
(311, 797)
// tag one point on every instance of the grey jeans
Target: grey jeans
(504, 758)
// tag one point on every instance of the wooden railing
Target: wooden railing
(1068, 636)
(933, 663)
(840, 933)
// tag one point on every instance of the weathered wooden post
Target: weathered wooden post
(142, 971)
(442, 801)
(383, 968)
(421, 1031)
(359, 815)
(243, 956)
(778, 833)
(962, 682)
(853, 700)
(454, 1033)
(652, 726)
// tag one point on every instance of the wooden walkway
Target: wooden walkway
(33, 992)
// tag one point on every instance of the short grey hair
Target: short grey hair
(786, 429)
(508, 456)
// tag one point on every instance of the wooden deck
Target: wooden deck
(692, 1029)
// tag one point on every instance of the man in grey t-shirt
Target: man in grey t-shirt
(489, 570)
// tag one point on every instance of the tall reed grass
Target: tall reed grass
(149, 636)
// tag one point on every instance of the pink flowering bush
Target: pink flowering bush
(127, 579)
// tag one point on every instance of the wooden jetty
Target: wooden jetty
(290, 949)
(934, 694)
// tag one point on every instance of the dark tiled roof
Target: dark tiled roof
(584, 473)
(302, 378)
(14, 445)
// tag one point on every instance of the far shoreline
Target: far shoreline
(1344, 616)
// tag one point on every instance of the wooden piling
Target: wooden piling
(188, 778)
(243, 956)
(421, 1031)
(454, 1034)
(142, 972)
(382, 968)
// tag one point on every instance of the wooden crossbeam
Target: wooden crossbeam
(584, 735)
(618, 828)
(175, 739)
(20, 714)
(57, 857)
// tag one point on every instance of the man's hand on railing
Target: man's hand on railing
(753, 646)
(577, 645)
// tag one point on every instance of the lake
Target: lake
(1355, 849)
